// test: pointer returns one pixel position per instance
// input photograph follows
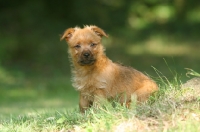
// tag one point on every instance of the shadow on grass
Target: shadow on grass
(37, 93)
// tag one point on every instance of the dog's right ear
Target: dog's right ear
(68, 34)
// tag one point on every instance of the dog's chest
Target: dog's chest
(89, 82)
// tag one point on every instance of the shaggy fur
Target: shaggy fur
(96, 76)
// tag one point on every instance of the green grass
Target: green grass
(51, 104)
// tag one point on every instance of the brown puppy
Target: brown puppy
(95, 76)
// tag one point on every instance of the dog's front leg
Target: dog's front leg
(99, 98)
(84, 102)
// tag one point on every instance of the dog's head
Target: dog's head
(84, 44)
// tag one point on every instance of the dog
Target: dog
(96, 77)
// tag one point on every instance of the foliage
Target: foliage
(192, 72)
(30, 30)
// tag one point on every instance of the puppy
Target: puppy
(96, 77)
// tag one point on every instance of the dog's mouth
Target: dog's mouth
(86, 62)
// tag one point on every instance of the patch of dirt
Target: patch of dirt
(191, 90)
(193, 83)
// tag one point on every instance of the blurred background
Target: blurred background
(34, 65)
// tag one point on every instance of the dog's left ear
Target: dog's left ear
(98, 31)
(67, 34)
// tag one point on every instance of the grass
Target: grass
(52, 105)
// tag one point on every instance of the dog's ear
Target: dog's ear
(67, 34)
(98, 31)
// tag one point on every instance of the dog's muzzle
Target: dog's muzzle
(86, 58)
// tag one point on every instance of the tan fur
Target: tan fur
(96, 76)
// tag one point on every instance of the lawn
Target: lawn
(51, 104)
(26, 96)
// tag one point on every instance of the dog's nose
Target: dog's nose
(86, 54)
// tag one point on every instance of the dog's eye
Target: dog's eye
(77, 46)
(93, 44)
